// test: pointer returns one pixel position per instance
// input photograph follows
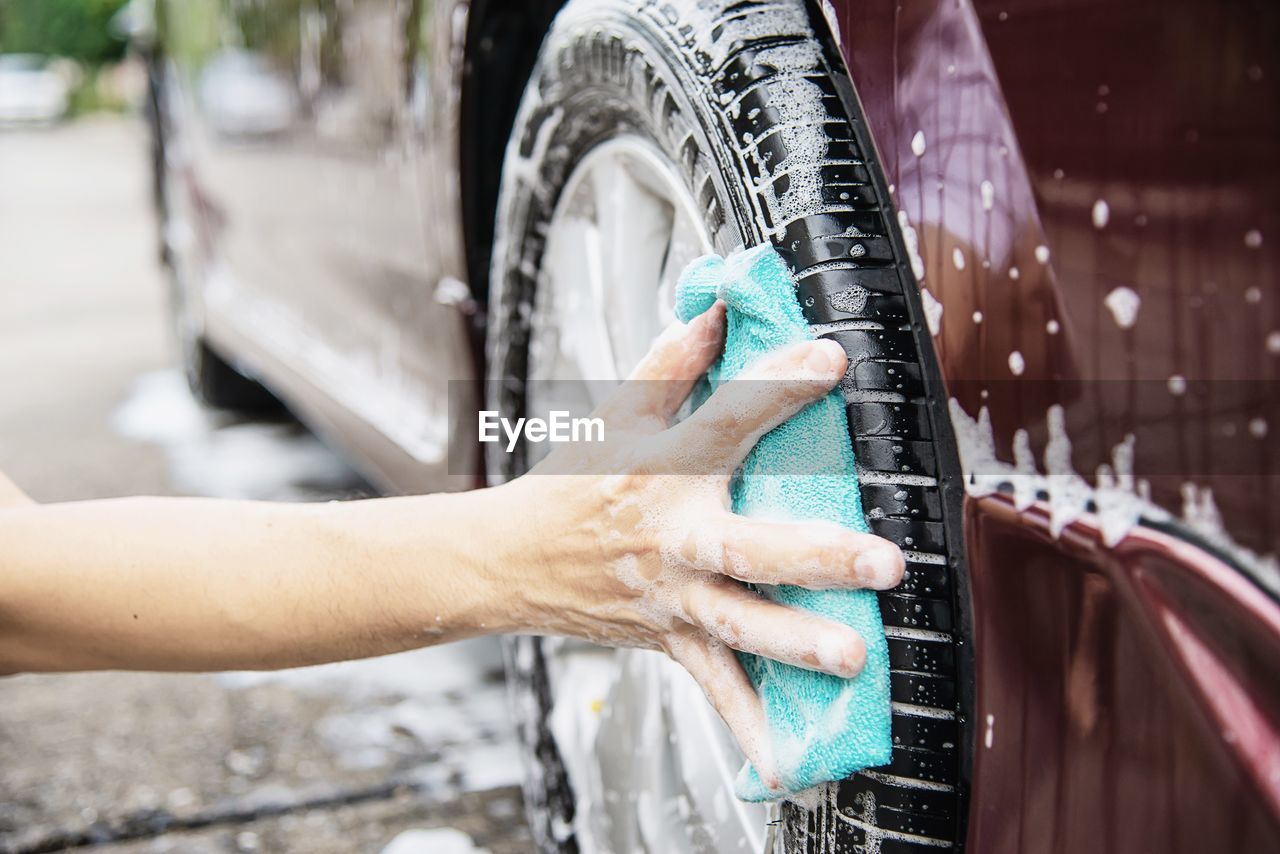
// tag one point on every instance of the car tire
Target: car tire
(750, 102)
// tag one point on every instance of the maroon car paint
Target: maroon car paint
(1131, 690)
(1127, 696)
(1157, 111)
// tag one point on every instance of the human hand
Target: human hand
(651, 556)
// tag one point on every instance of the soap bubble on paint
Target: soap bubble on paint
(1124, 302)
(911, 240)
(957, 258)
(932, 311)
(1100, 214)
(1017, 364)
(918, 144)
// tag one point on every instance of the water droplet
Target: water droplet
(844, 197)
(1104, 90)
(1042, 254)
(1003, 16)
(917, 144)
(1101, 213)
(808, 301)
(951, 69)
(1015, 273)
(1102, 107)
(988, 192)
(957, 258)
(1258, 428)
(1254, 73)
(1177, 385)
(1253, 295)
(1253, 238)
(1058, 174)
(1273, 343)
(977, 317)
(1016, 363)
(1052, 327)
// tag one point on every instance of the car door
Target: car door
(314, 132)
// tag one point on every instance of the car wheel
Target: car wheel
(649, 134)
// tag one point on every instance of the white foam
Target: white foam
(917, 144)
(988, 193)
(932, 311)
(1124, 304)
(1121, 501)
(1100, 214)
(912, 242)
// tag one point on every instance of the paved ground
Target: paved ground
(338, 759)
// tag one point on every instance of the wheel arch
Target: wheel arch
(502, 44)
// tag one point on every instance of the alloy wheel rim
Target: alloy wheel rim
(624, 227)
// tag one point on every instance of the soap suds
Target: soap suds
(932, 311)
(1100, 214)
(1120, 499)
(1124, 303)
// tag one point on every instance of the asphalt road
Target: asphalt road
(334, 759)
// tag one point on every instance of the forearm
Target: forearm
(201, 584)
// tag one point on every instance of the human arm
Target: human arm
(630, 550)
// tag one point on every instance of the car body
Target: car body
(1088, 192)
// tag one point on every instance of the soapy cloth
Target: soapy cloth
(822, 727)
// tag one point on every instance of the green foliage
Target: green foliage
(78, 29)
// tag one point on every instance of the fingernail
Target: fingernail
(824, 357)
(843, 654)
(880, 566)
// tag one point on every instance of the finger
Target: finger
(666, 375)
(726, 685)
(765, 395)
(748, 622)
(816, 555)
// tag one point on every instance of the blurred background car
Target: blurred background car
(33, 89)
(242, 96)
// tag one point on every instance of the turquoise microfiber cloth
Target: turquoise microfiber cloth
(822, 727)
